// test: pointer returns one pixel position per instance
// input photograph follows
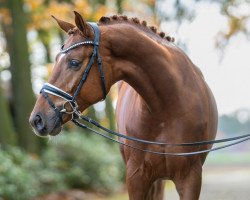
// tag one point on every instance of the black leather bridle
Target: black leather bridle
(76, 114)
(71, 100)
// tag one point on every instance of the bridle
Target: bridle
(76, 114)
(69, 99)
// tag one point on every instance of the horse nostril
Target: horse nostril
(39, 124)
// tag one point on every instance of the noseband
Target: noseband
(76, 114)
(71, 100)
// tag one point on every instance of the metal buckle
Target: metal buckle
(75, 113)
(74, 108)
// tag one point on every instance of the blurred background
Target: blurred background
(79, 165)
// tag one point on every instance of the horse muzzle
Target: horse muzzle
(45, 125)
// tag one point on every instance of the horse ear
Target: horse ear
(82, 25)
(64, 25)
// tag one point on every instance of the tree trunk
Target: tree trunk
(45, 39)
(119, 6)
(7, 133)
(23, 98)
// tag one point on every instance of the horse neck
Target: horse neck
(144, 64)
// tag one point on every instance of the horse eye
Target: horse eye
(74, 63)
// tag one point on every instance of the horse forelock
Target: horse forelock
(136, 22)
(74, 31)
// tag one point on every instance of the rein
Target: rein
(76, 114)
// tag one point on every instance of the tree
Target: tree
(234, 10)
(23, 99)
(7, 132)
(237, 122)
(119, 6)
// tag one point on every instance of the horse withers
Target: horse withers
(162, 97)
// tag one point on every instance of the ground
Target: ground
(219, 182)
(226, 176)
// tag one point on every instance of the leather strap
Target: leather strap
(53, 90)
(246, 138)
(208, 142)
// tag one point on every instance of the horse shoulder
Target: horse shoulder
(125, 103)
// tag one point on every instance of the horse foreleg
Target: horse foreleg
(137, 185)
(189, 187)
(156, 191)
(141, 188)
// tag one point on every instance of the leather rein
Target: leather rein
(76, 114)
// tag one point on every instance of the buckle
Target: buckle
(99, 60)
(73, 105)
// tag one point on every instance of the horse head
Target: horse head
(81, 50)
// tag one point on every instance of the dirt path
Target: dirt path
(221, 183)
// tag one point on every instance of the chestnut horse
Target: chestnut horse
(162, 97)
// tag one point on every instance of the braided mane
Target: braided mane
(136, 21)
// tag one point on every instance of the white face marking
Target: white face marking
(60, 57)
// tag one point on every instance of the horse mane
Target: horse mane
(137, 22)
